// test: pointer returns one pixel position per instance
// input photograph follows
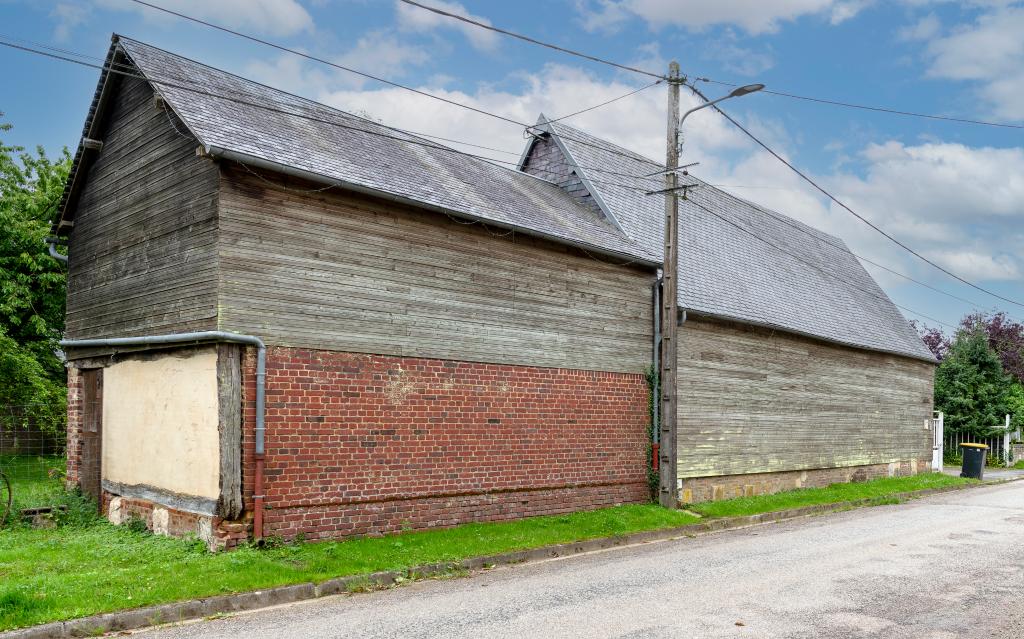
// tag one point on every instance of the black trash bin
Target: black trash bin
(974, 460)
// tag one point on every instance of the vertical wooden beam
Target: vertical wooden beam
(90, 473)
(670, 306)
(229, 395)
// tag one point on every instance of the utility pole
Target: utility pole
(668, 493)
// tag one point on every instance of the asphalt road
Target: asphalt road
(945, 566)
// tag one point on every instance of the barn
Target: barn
(283, 319)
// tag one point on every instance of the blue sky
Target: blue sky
(953, 191)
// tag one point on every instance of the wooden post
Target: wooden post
(670, 305)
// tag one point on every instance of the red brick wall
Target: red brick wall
(74, 446)
(367, 444)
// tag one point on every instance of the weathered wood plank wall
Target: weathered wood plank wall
(143, 249)
(752, 401)
(338, 271)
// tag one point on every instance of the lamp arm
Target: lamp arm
(702, 106)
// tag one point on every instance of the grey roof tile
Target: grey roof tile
(737, 261)
(347, 148)
(744, 262)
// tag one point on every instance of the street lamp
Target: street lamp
(738, 92)
(665, 386)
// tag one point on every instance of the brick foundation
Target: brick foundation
(215, 532)
(698, 489)
(367, 444)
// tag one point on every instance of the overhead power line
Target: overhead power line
(408, 137)
(327, 62)
(841, 204)
(864, 107)
(368, 75)
(190, 86)
(612, 63)
(780, 249)
(803, 229)
(525, 38)
(606, 102)
(122, 72)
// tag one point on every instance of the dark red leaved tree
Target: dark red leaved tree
(1005, 337)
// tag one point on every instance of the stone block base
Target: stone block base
(697, 489)
(215, 532)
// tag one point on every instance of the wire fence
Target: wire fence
(32, 459)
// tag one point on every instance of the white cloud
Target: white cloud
(636, 122)
(68, 17)
(290, 73)
(923, 30)
(733, 57)
(990, 52)
(606, 17)
(378, 53)
(412, 18)
(959, 205)
(273, 17)
(843, 11)
(754, 16)
(980, 266)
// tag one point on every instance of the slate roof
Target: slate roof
(738, 261)
(332, 145)
(743, 262)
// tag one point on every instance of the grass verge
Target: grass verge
(880, 489)
(86, 566)
(79, 570)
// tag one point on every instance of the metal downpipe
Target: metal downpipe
(196, 338)
(51, 244)
(656, 387)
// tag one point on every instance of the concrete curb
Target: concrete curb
(200, 608)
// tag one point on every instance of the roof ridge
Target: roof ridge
(411, 135)
(768, 211)
(120, 37)
(618, 147)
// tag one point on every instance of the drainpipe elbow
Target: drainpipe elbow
(51, 243)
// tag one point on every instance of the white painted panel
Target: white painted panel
(160, 423)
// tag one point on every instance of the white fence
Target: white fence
(998, 445)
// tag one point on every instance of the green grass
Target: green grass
(35, 480)
(880, 489)
(87, 566)
(1019, 465)
(74, 571)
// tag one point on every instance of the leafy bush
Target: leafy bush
(32, 284)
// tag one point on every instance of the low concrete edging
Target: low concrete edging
(224, 604)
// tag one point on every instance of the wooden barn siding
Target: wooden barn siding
(143, 249)
(754, 401)
(339, 271)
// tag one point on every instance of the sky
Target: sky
(952, 191)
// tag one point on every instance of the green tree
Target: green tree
(971, 387)
(1015, 404)
(32, 284)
